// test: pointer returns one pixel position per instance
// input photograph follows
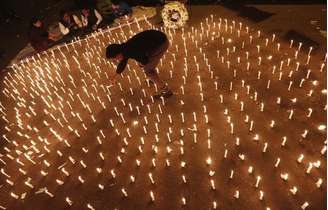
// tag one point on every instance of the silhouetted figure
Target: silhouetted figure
(147, 48)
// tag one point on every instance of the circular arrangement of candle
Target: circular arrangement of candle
(247, 120)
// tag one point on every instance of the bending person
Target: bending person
(147, 48)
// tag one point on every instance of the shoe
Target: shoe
(164, 94)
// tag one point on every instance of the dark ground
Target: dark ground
(284, 20)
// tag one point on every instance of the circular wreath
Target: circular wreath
(175, 15)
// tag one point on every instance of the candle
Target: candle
(236, 195)
(151, 178)
(319, 183)
(265, 147)
(152, 196)
(284, 176)
(182, 89)
(124, 192)
(291, 114)
(308, 170)
(212, 184)
(209, 161)
(268, 84)
(214, 204)
(231, 174)
(261, 195)
(184, 202)
(284, 141)
(277, 163)
(194, 116)
(300, 158)
(251, 125)
(305, 205)
(250, 169)
(262, 107)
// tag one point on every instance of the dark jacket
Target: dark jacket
(141, 47)
(38, 37)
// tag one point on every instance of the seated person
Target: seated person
(121, 8)
(39, 37)
(91, 19)
(68, 23)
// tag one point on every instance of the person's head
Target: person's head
(36, 22)
(86, 11)
(115, 6)
(65, 16)
(114, 51)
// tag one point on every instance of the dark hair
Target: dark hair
(113, 50)
(34, 20)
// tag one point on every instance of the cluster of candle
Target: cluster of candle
(237, 95)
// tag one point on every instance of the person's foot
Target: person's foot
(165, 93)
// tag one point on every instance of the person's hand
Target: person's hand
(113, 79)
(52, 36)
(94, 27)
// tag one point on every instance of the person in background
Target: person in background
(68, 23)
(91, 18)
(121, 8)
(39, 37)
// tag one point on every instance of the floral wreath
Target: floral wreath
(175, 15)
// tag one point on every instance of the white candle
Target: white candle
(212, 184)
(261, 195)
(300, 158)
(277, 163)
(152, 196)
(284, 141)
(124, 192)
(308, 170)
(236, 195)
(305, 205)
(265, 147)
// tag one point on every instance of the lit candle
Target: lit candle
(277, 163)
(305, 205)
(152, 196)
(300, 158)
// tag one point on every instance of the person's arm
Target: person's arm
(77, 21)
(121, 66)
(63, 29)
(99, 17)
(84, 21)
